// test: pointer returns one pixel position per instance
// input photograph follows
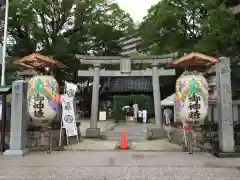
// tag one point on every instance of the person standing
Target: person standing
(135, 110)
(144, 114)
(139, 116)
(168, 115)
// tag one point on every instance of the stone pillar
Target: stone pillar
(93, 131)
(224, 106)
(125, 65)
(18, 134)
(157, 95)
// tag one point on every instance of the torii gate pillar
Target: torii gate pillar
(125, 70)
(94, 131)
(157, 95)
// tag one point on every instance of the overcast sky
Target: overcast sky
(136, 8)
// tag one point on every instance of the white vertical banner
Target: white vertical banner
(68, 114)
(70, 90)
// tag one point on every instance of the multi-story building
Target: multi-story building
(235, 5)
(129, 44)
(2, 19)
(2, 6)
(2, 22)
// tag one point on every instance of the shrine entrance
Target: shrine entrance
(157, 63)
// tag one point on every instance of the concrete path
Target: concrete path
(100, 145)
(136, 135)
(121, 165)
(135, 132)
(103, 125)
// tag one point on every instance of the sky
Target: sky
(136, 8)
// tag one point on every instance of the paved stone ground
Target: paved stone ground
(121, 165)
(103, 125)
(92, 145)
(156, 145)
(135, 132)
(136, 135)
(99, 145)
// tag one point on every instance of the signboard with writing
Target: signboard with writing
(71, 131)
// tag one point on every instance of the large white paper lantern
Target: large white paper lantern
(42, 98)
(192, 96)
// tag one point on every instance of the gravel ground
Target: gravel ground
(118, 165)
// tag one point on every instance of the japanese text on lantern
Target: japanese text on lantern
(194, 106)
(38, 105)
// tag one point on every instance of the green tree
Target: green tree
(63, 28)
(190, 25)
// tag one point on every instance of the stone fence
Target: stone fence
(207, 131)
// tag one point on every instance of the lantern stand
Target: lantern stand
(39, 92)
(191, 62)
(61, 143)
(45, 66)
(189, 128)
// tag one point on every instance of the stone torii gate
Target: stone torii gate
(125, 70)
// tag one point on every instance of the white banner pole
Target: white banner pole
(4, 43)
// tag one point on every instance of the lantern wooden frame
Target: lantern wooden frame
(194, 60)
(38, 61)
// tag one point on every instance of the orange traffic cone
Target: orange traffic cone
(123, 144)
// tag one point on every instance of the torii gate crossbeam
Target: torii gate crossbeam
(125, 70)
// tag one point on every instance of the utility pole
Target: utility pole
(4, 43)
